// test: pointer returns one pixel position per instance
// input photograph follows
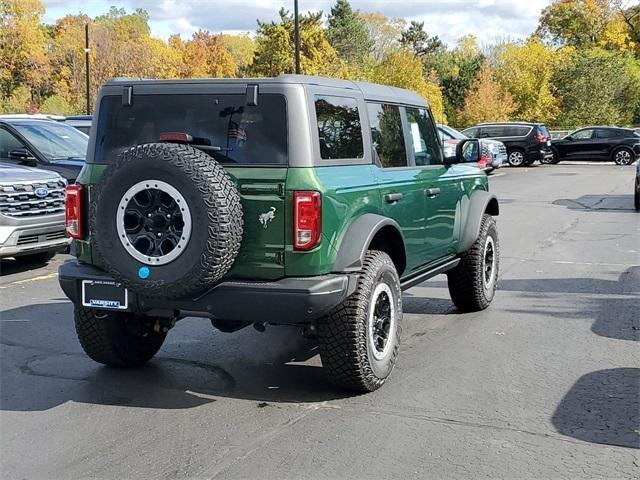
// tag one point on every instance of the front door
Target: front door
(440, 190)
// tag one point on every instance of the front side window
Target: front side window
(223, 126)
(386, 135)
(339, 129)
(8, 143)
(424, 139)
(582, 134)
(471, 132)
(54, 140)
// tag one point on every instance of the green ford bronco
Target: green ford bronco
(293, 200)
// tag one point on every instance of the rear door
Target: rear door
(604, 138)
(402, 195)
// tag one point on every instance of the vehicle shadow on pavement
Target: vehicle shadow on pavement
(599, 203)
(602, 407)
(9, 266)
(614, 317)
(44, 367)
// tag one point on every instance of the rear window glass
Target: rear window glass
(222, 126)
(543, 130)
(339, 129)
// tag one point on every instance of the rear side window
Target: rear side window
(221, 125)
(339, 129)
(604, 133)
(386, 135)
(424, 139)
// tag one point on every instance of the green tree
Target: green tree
(347, 34)
(526, 72)
(275, 47)
(402, 68)
(596, 86)
(419, 42)
(486, 100)
(242, 49)
(579, 23)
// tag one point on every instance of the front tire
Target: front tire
(472, 284)
(359, 339)
(117, 339)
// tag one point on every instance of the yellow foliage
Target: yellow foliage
(485, 101)
(401, 68)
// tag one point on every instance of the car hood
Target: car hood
(18, 173)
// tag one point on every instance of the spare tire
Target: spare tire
(166, 220)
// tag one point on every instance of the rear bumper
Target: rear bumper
(290, 300)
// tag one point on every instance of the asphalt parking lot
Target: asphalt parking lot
(543, 384)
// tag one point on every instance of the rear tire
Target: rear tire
(472, 284)
(516, 158)
(623, 157)
(359, 339)
(42, 257)
(117, 339)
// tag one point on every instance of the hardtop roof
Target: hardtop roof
(370, 91)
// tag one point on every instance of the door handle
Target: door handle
(432, 192)
(392, 197)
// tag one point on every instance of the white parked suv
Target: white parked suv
(32, 225)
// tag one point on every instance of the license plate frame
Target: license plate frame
(104, 294)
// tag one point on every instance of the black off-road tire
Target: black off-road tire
(345, 344)
(42, 257)
(216, 219)
(117, 339)
(468, 287)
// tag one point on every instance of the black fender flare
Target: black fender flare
(481, 202)
(356, 241)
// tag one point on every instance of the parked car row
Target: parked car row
(493, 153)
(32, 205)
(527, 142)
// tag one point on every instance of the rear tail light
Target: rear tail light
(307, 220)
(74, 214)
(541, 138)
(484, 161)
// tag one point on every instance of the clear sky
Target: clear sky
(449, 19)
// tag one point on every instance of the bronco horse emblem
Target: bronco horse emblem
(267, 217)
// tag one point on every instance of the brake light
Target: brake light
(541, 138)
(74, 197)
(484, 161)
(307, 220)
(177, 137)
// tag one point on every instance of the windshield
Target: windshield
(223, 126)
(452, 133)
(54, 140)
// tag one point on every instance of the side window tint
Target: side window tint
(583, 135)
(602, 133)
(7, 143)
(424, 139)
(386, 135)
(471, 132)
(339, 129)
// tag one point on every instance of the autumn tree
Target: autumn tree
(275, 47)
(596, 86)
(23, 53)
(485, 100)
(242, 49)
(526, 72)
(384, 32)
(401, 68)
(347, 34)
(206, 55)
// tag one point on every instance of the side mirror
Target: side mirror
(467, 151)
(22, 155)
